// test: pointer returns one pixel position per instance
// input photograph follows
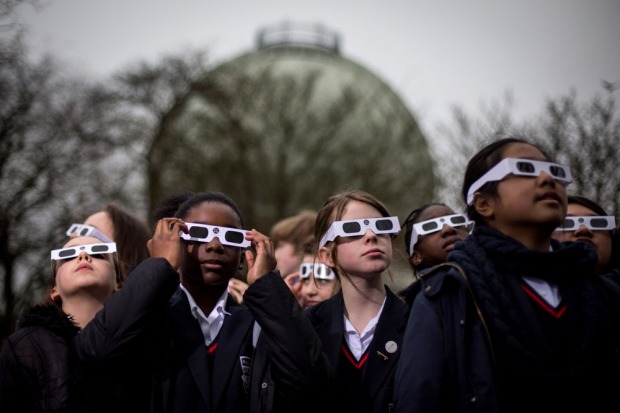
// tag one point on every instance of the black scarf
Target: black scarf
(494, 264)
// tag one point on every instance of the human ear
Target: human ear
(325, 256)
(484, 205)
(416, 258)
(54, 295)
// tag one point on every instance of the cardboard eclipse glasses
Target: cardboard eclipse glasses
(356, 227)
(233, 237)
(82, 230)
(90, 249)
(520, 167)
(319, 270)
(594, 223)
(436, 224)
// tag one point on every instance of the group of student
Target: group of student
(505, 313)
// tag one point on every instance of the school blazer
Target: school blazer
(149, 325)
(384, 349)
(282, 373)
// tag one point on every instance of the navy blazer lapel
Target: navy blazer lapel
(384, 350)
(231, 339)
(189, 339)
(328, 321)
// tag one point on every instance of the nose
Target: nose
(214, 244)
(311, 288)
(84, 256)
(370, 235)
(545, 177)
(447, 229)
(583, 231)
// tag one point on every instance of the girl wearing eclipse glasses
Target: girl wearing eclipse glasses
(318, 281)
(39, 370)
(361, 326)
(431, 232)
(587, 221)
(514, 321)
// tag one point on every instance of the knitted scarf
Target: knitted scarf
(494, 264)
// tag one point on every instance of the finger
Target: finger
(249, 258)
(258, 238)
(236, 295)
(297, 289)
(292, 278)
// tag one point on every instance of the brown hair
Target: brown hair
(296, 229)
(130, 235)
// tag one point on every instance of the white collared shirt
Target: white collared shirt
(549, 292)
(358, 343)
(212, 324)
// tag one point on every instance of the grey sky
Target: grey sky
(433, 53)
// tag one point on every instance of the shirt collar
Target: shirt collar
(220, 306)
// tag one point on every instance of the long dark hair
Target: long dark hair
(482, 162)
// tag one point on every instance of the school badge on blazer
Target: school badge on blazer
(245, 372)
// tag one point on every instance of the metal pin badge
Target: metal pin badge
(391, 346)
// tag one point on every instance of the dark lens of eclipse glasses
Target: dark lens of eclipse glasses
(351, 227)
(429, 226)
(384, 225)
(199, 232)
(557, 172)
(458, 220)
(67, 253)
(525, 167)
(234, 236)
(598, 223)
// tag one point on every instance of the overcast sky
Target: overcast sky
(433, 53)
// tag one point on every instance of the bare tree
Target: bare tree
(146, 93)
(458, 141)
(273, 142)
(57, 144)
(586, 136)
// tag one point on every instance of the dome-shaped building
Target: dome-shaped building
(282, 127)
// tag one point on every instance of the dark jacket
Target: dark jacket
(40, 371)
(234, 380)
(375, 393)
(43, 365)
(477, 342)
(37, 365)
